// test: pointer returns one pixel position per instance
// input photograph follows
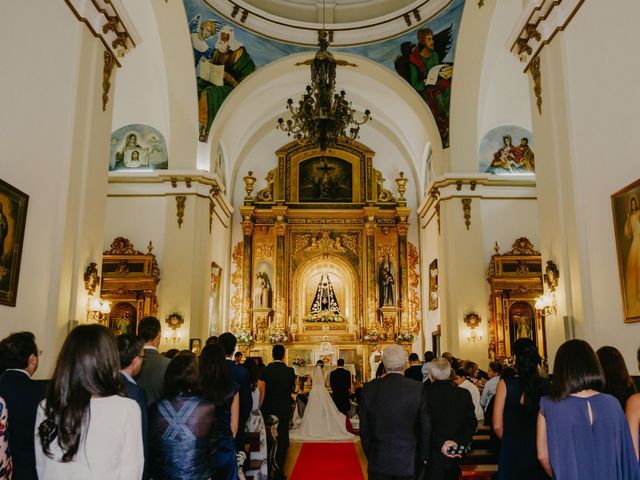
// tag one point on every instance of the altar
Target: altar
(325, 266)
(307, 370)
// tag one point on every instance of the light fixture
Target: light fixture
(98, 309)
(546, 304)
(472, 320)
(322, 115)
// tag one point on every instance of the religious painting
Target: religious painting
(123, 319)
(262, 286)
(195, 345)
(386, 283)
(300, 357)
(215, 278)
(325, 180)
(626, 220)
(507, 150)
(138, 147)
(219, 168)
(522, 321)
(433, 285)
(13, 219)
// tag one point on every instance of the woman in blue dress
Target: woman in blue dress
(582, 433)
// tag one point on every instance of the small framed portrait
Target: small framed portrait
(626, 227)
(195, 345)
(13, 219)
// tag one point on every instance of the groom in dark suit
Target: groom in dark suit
(280, 382)
(340, 381)
(394, 420)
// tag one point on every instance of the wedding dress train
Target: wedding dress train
(322, 422)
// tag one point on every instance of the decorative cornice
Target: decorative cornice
(538, 24)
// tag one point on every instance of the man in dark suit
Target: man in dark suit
(280, 382)
(340, 381)
(151, 376)
(131, 358)
(454, 421)
(394, 420)
(415, 368)
(18, 363)
(240, 375)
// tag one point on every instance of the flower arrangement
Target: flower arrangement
(278, 337)
(372, 336)
(405, 337)
(244, 338)
(299, 362)
(324, 317)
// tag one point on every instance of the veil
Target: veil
(321, 421)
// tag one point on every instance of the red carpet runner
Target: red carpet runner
(327, 461)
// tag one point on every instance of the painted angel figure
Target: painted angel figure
(200, 32)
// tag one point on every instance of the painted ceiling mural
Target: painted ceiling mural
(225, 54)
(506, 150)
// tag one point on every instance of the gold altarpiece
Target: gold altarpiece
(325, 265)
(516, 282)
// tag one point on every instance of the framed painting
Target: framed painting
(13, 219)
(626, 221)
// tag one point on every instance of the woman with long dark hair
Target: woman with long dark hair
(582, 433)
(223, 393)
(84, 427)
(255, 422)
(617, 381)
(182, 426)
(515, 411)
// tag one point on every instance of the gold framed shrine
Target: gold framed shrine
(324, 262)
(515, 278)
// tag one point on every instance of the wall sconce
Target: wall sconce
(98, 309)
(472, 320)
(91, 278)
(175, 321)
(546, 304)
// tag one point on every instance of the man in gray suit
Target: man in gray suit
(151, 376)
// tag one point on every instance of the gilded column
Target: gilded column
(280, 228)
(247, 257)
(403, 261)
(370, 304)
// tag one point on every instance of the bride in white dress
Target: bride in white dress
(322, 422)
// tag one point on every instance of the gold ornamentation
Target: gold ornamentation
(174, 182)
(402, 187)
(236, 281)
(264, 250)
(180, 205)
(466, 207)
(414, 284)
(109, 63)
(279, 313)
(403, 229)
(249, 180)
(91, 278)
(534, 68)
(212, 207)
(385, 251)
(267, 193)
(384, 195)
(247, 228)
(122, 246)
(280, 229)
(551, 275)
(480, 3)
(437, 209)
(522, 246)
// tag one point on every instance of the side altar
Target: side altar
(324, 264)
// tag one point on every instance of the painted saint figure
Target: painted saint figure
(632, 267)
(386, 283)
(507, 156)
(262, 292)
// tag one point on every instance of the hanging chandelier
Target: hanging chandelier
(322, 115)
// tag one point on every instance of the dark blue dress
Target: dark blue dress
(226, 463)
(182, 438)
(518, 459)
(584, 450)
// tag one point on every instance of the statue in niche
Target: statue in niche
(522, 321)
(386, 282)
(325, 298)
(262, 293)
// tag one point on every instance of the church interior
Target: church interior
(485, 197)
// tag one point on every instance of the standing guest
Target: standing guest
(394, 421)
(255, 422)
(211, 339)
(240, 376)
(632, 411)
(617, 381)
(380, 371)
(237, 357)
(222, 391)
(462, 381)
(340, 382)
(489, 390)
(415, 368)
(131, 353)
(151, 376)
(172, 352)
(582, 433)
(6, 466)
(428, 356)
(84, 427)
(182, 426)
(453, 421)
(18, 363)
(515, 412)
(280, 382)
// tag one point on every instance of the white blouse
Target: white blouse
(111, 450)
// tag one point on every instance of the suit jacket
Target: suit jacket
(394, 419)
(340, 382)
(414, 372)
(137, 393)
(22, 396)
(453, 418)
(280, 382)
(151, 376)
(240, 375)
